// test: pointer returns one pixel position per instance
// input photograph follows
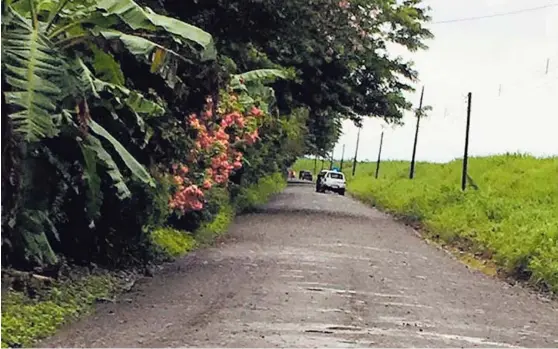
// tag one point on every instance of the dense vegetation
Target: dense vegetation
(121, 119)
(511, 217)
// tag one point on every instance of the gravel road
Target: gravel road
(318, 270)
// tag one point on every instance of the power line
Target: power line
(496, 14)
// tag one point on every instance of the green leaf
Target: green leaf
(137, 18)
(93, 144)
(33, 225)
(32, 67)
(106, 67)
(138, 46)
(94, 194)
(135, 167)
(132, 99)
(263, 76)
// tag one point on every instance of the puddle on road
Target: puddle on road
(331, 331)
(290, 276)
(318, 287)
(378, 249)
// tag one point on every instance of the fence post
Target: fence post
(466, 152)
(356, 151)
(379, 155)
(412, 171)
(342, 157)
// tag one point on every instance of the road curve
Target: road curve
(318, 270)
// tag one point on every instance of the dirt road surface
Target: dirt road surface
(318, 270)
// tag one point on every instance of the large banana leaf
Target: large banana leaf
(93, 145)
(135, 167)
(132, 99)
(33, 225)
(91, 176)
(33, 70)
(263, 76)
(106, 67)
(138, 18)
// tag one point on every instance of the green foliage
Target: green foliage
(339, 55)
(55, 94)
(25, 320)
(172, 242)
(259, 193)
(217, 226)
(511, 216)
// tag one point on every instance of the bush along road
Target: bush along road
(311, 269)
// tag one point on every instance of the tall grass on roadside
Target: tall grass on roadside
(513, 216)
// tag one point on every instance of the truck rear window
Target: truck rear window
(336, 175)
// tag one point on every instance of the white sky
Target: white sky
(477, 56)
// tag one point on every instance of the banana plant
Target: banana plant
(49, 82)
(54, 69)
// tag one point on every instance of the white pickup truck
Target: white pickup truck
(332, 181)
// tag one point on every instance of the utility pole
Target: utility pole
(331, 160)
(342, 157)
(356, 151)
(547, 66)
(466, 152)
(412, 171)
(315, 163)
(379, 155)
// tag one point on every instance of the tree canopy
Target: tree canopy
(339, 50)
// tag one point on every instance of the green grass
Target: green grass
(172, 242)
(208, 231)
(259, 193)
(25, 320)
(513, 217)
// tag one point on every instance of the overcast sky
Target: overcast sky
(478, 56)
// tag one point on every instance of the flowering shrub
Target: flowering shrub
(218, 140)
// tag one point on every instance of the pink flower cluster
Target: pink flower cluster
(213, 147)
(188, 196)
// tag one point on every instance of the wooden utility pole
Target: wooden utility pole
(412, 171)
(379, 155)
(356, 151)
(466, 152)
(342, 157)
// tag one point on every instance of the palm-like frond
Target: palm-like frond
(33, 68)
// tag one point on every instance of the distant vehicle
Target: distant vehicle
(305, 175)
(331, 180)
(291, 173)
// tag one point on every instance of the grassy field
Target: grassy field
(512, 217)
